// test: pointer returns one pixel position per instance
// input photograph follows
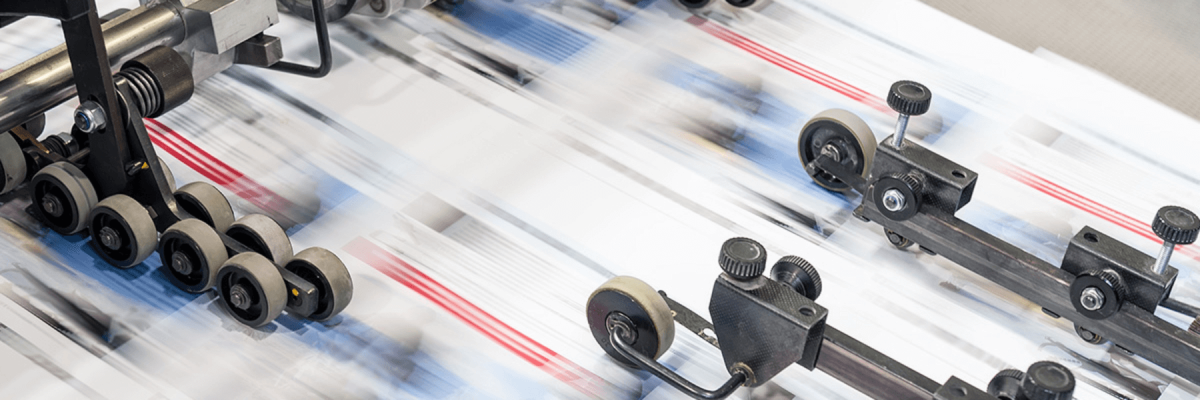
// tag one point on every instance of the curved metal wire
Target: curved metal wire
(736, 380)
(323, 48)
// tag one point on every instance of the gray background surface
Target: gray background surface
(1151, 46)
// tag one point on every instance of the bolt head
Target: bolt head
(90, 117)
(893, 200)
(831, 151)
(109, 238)
(1091, 298)
(239, 297)
(180, 263)
(52, 205)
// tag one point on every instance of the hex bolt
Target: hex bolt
(893, 200)
(90, 117)
(52, 205)
(1092, 298)
(239, 297)
(1175, 226)
(831, 151)
(907, 98)
(109, 238)
(180, 263)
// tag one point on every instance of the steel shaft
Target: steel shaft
(45, 81)
(1164, 257)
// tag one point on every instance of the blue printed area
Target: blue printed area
(522, 29)
(143, 283)
(330, 191)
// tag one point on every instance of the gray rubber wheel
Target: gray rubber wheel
(204, 202)
(251, 289)
(650, 315)
(122, 231)
(844, 132)
(191, 252)
(12, 163)
(263, 235)
(325, 270)
(63, 196)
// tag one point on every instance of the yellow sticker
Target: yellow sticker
(295, 292)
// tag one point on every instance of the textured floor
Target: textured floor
(1153, 47)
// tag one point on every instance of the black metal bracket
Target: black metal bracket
(61, 10)
(762, 313)
(846, 359)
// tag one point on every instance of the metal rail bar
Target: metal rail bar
(1132, 328)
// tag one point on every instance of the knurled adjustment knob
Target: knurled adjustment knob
(1114, 280)
(915, 181)
(909, 98)
(799, 274)
(743, 258)
(1048, 380)
(1176, 225)
(1006, 384)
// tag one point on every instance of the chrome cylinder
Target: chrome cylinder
(901, 126)
(45, 81)
(1164, 257)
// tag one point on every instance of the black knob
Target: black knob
(1047, 380)
(743, 258)
(799, 274)
(1176, 224)
(1006, 384)
(908, 97)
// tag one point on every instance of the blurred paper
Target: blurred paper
(481, 171)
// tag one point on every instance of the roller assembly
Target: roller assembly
(1107, 288)
(763, 326)
(104, 179)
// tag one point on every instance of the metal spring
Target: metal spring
(146, 92)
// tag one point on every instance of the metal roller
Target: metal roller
(46, 81)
